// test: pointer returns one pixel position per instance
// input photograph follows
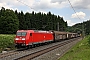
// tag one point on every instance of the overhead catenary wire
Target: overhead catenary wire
(24, 4)
(83, 32)
(73, 9)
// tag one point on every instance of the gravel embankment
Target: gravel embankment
(29, 51)
(52, 55)
(57, 53)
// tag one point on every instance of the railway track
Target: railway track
(38, 53)
(2, 55)
(14, 52)
(32, 53)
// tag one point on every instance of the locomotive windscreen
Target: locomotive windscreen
(21, 34)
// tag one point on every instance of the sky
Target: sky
(62, 8)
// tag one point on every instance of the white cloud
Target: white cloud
(4, 5)
(78, 4)
(48, 4)
(45, 4)
(81, 4)
(70, 23)
(8, 4)
(80, 15)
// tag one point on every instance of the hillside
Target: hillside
(81, 51)
(81, 28)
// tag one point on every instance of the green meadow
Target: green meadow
(81, 51)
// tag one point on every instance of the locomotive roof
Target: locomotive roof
(40, 31)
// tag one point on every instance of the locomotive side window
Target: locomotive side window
(21, 33)
(30, 34)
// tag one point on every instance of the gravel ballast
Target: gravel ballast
(56, 53)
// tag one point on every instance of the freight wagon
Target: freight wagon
(26, 38)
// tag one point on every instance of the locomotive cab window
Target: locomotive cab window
(30, 34)
(21, 33)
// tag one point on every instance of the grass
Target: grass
(6, 41)
(81, 51)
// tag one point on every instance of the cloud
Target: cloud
(78, 4)
(80, 15)
(47, 4)
(5, 5)
(59, 1)
(70, 23)
(8, 4)
(81, 4)
(43, 4)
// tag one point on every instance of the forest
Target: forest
(82, 28)
(11, 21)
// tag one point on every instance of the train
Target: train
(27, 38)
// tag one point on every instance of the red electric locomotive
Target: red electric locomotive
(25, 38)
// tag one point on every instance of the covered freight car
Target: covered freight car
(59, 35)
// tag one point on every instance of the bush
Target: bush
(88, 40)
(6, 41)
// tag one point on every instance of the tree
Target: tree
(28, 20)
(8, 22)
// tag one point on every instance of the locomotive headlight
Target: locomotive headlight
(23, 38)
(17, 39)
